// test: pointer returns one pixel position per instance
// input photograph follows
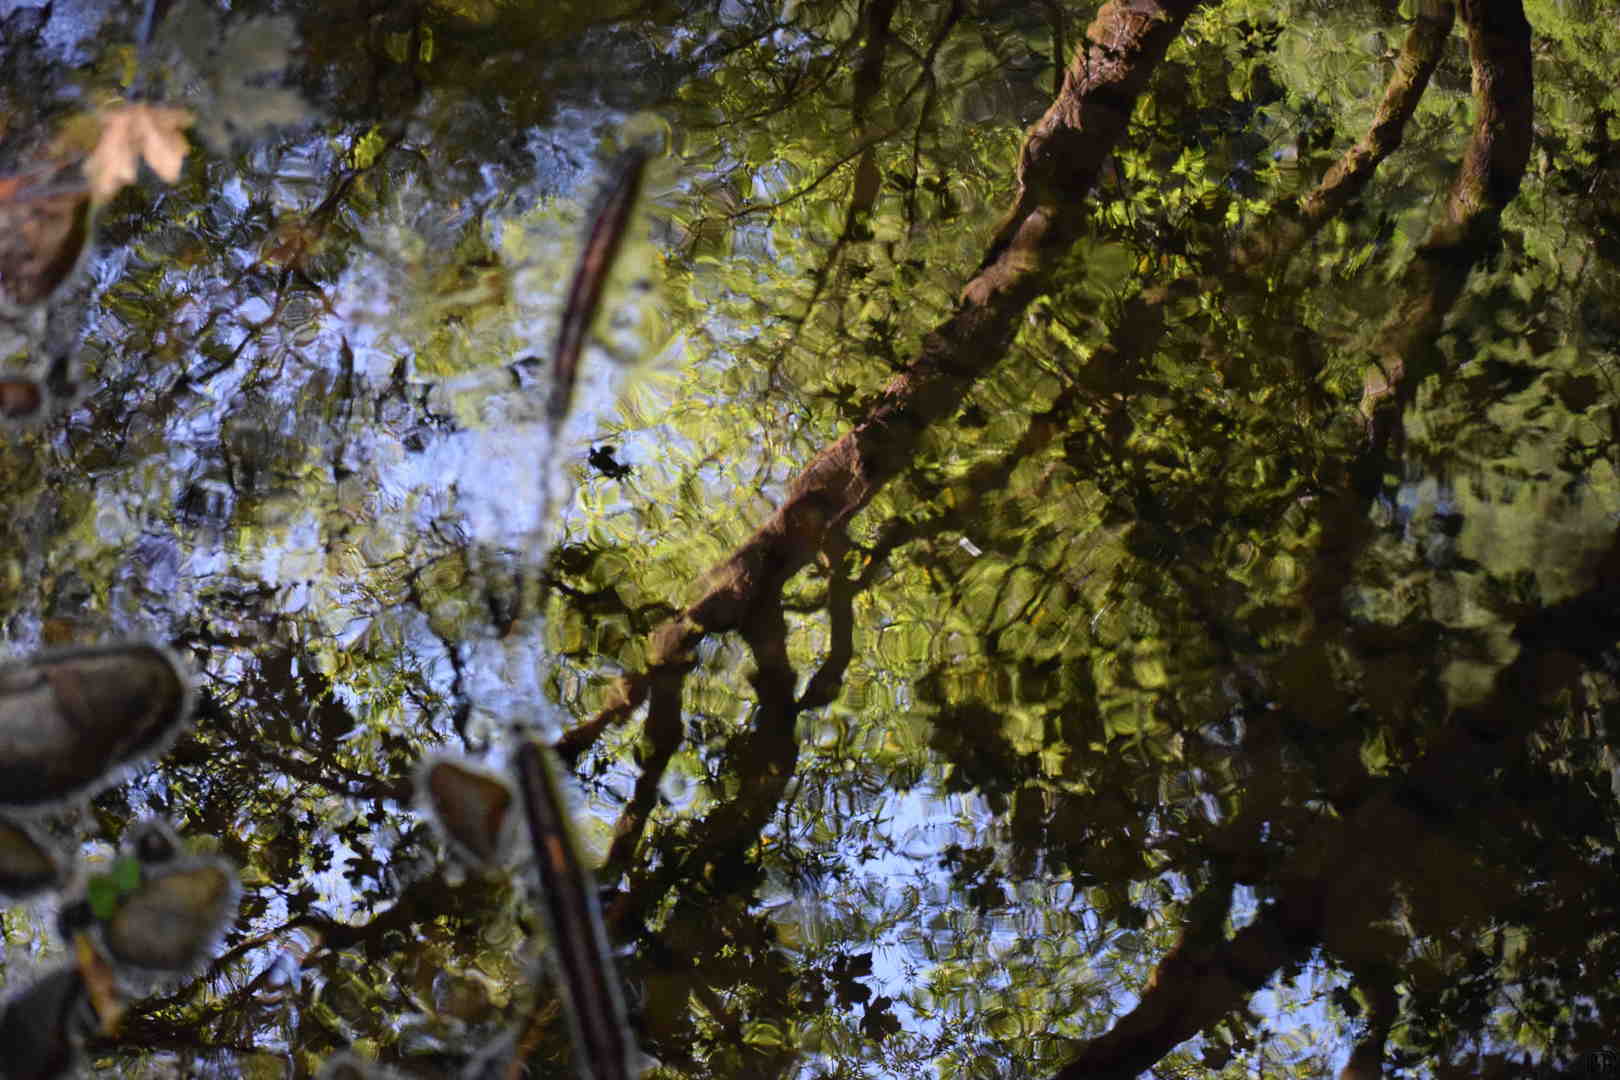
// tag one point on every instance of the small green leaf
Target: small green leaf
(107, 891)
(125, 873)
(103, 897)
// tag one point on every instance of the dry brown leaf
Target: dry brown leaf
(20, 397)
(130, 134)
(43, 227)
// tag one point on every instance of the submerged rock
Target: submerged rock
(173, 917)
(42, 1028)
(472, 807)
(71, 719)
(27, 865)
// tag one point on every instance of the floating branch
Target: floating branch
(602, 245)
(568, 895)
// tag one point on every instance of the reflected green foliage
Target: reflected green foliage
(1145, 644)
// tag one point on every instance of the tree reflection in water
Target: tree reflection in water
(1080, 540)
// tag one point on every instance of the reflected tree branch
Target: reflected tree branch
(587, 975)
(1331, 889)
(1292, 223)
(661, 737)
(1469, 229)
(863, 195)
(824, 686)
(1333, 886)
(1062, 156)
(1367, 1056)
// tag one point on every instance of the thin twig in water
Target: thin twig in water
(589, 985)
(590, 275)
(602, 245)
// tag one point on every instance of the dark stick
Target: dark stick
(589, 984)
(590, 275)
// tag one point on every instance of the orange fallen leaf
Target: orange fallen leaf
(100, 984)
(131, 134)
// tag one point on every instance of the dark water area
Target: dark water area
(300, 561)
